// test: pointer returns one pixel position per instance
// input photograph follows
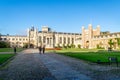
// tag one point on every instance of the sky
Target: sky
(16, 16)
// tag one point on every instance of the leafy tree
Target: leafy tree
(118, 41)
(4, 44)
(111, 43)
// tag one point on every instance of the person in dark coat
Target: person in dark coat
(43, 49)
(15, 50)
(40, 49)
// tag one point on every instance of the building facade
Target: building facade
(89, 38)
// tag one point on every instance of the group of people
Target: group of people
(41, 49)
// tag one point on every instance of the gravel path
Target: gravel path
(29, 65)
(26, 66)
(94, 71)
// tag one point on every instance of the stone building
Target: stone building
(89, 38)
(52, 39)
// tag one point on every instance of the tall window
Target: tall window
(72, 40)
(44, 39)
(64, 40)
(60, 40)
(13, 39)
(48, 41)
(68, 40)
(39, 39)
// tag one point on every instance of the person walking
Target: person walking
(43, 49)
(15, 50)
(40, 49)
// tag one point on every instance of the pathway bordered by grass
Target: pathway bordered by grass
(5, 57)
(92, 56)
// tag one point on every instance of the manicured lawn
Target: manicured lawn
(5, 57)
(92, 56)
(80, 50)
(10, 49)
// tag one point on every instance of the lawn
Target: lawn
(89, 55)
(80, 50)
(5, 57)
(10, 49)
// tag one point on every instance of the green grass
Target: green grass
(10, 49)
(91, 56)
(80, 50)
(5, 57)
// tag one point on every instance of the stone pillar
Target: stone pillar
(62, 40)
(90, 35)
(83, 37)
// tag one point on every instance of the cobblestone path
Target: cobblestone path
(29, 65)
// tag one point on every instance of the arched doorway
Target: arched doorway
(31, 45)
(87, 44)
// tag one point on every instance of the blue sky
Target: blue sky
(61, 15)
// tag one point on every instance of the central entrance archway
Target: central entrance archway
(87, 44)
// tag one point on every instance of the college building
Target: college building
(89, 38)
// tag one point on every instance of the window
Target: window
(60, 40)
(64, 40)
(13, 39)
(47, 40)
(5, 39)
(44, 39)
(72, 40)
(68, 40)
(39, 39)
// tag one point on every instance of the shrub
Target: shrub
(58, 45)
(52, 48)
(4, 44)
(72, 46)
(79, 46)
(25, 45)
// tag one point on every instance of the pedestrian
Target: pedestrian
(43, 49)
(14, 49)
(40, 49)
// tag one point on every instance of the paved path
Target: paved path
(26, 66)
(29, 65)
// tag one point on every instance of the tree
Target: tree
(118, 42)
(111, 43)
(4, 44)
